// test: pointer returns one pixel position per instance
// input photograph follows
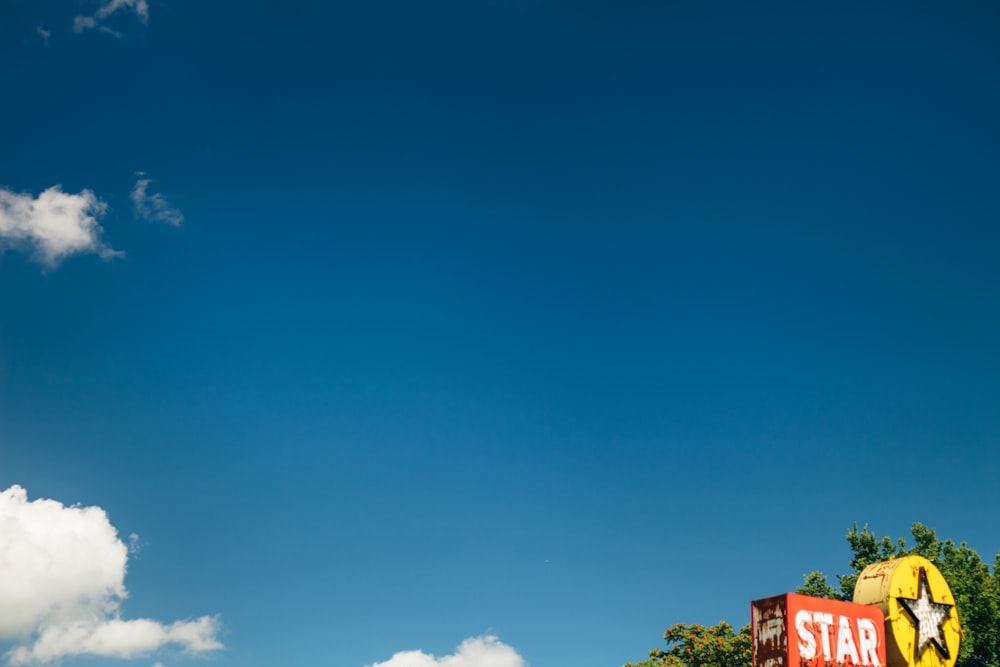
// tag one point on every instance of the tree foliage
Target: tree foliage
(701, 645)
(975, 587)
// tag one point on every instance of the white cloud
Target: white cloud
(109, 7)
(44, 34)
(114, 33)
(63, 570)
(153, 206)
(486, 651)
(53, 225)
(140, 7)
(81, 23)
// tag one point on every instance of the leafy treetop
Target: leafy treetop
(975, 587)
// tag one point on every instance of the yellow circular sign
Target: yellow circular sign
(921, 620)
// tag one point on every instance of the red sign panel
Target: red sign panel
(793, 630)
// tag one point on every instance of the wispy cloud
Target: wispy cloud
(153, 206)
(485, 651)
(44, 34)
(53, 225)
(86, 22)
(114, 33)
(64, 573)
(81, 23)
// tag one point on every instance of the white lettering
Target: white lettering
(869, 642)
(824, 621)
(845, 642)
(807, 640)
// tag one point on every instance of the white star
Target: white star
(929, 618)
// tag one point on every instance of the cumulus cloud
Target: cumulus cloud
(486, 651)
(53, 225)
(63, 570)
(107, 8)
(153, 206)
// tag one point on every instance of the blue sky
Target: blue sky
(388, 325)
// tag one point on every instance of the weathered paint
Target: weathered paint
(793, 630)
(770, 632)
(910, 590)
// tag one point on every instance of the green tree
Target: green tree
(975, 587)
(701, 645)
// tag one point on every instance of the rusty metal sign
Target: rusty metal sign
(922, 625)
(793, 630)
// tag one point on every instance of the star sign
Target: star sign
(929, 618)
